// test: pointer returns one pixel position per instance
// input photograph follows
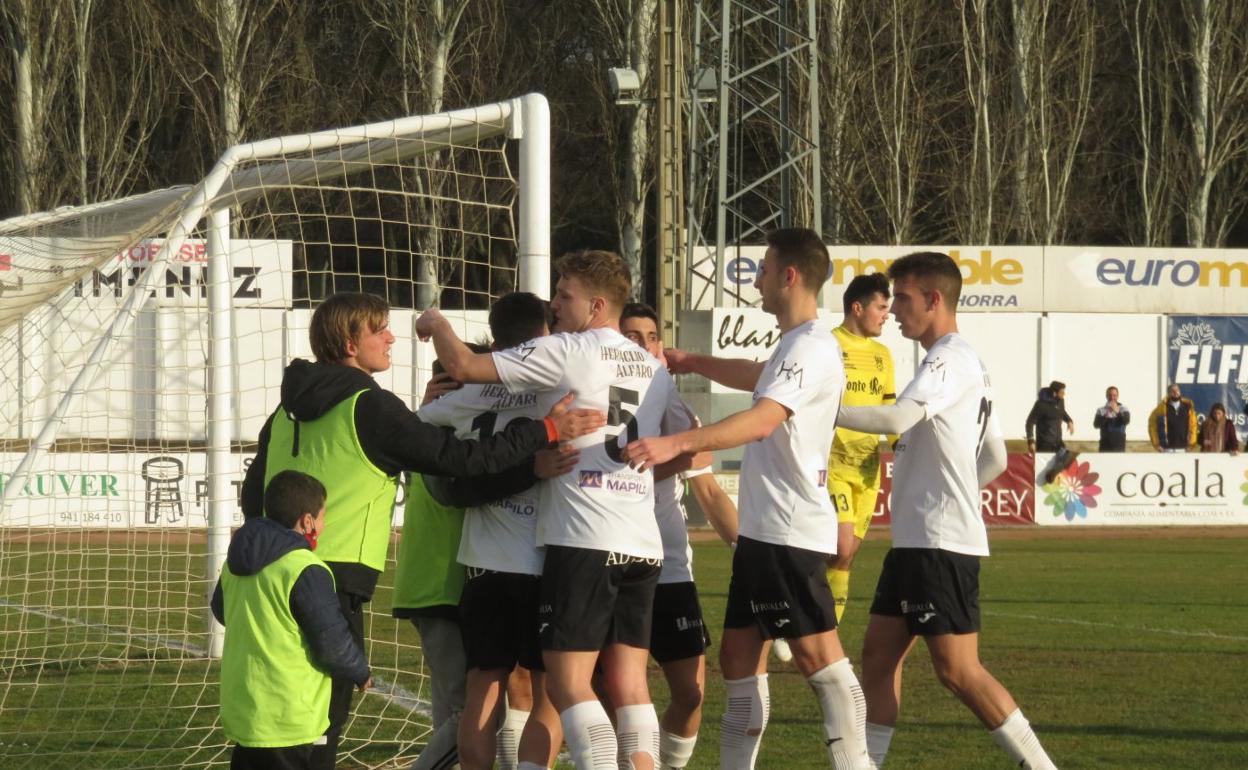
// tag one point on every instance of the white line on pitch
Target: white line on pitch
(1120, 626)
(392, 692)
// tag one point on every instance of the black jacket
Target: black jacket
(393, 438)
(313, 603)
(1045, 422)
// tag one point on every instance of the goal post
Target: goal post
(145, 339)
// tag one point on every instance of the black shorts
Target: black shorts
(593, 598)
(498, 620)
(780, 589)
(936, 591)
(678, 631)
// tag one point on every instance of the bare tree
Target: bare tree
(976, 221)
(1054, 57)
(33, 32)
(1215, 107)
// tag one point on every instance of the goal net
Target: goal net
(142, 344)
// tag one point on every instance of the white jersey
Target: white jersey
(784, 477)
(935, 498)
(502, 535)
(603, 504)
(674, 527)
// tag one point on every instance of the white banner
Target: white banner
(262, 275)
(1144, 489)
(120, 490)
(1130, 280)
(749, 332)
(995, 278)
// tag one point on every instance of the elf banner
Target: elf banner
(1209, 362)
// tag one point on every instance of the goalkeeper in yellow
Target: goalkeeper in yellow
(854, 462)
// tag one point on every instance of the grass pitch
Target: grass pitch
(1125, 649)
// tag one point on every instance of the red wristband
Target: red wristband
(552, 431)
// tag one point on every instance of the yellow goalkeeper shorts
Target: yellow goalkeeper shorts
(855, 502)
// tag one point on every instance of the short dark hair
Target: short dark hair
(475, 347)
(933, 271)
(518, 317)
(290, 494)
(341, 319)
(863, 288)
(1057, 385)
(639, 310)
(603, 272)
(802, 249)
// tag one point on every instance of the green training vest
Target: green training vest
(272, 694)
(428, 574)
(359, 510)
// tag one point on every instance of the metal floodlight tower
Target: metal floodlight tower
(753, 129)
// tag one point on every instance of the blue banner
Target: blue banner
(1209, 363)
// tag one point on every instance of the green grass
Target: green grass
(1124, 650)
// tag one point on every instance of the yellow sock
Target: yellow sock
(838, 581)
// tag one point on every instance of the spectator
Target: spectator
(1218, 433)
(1112, 420)
(1172, 425)
(1044, 422)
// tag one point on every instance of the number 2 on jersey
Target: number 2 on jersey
(985, 411)
(618, 415)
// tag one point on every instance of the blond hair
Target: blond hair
(343, 318)
(602, 272)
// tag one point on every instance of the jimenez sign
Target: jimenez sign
(1208, 359)
(1145, 489)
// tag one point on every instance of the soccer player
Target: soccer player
(950, 447)
(336, 424)
(854, 465)
(284, 631)
(498, 606)
(603, 549)
(679, 638)
(787, 522)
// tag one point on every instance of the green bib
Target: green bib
(359, 511)
(272, 694)
(428, 574)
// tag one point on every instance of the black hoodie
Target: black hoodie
(313, 603)
(393, 438)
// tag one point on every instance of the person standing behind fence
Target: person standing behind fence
(1112, 420)
(1044, 422)
(1217, 434)
(1172, 425)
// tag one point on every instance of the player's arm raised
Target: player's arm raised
(735, 373)
(752, 424)
(457, 358)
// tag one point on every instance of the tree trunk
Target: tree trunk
(638, 146)
(1198, 196)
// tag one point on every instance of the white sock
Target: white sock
(637, 731)
(844, 715)
(878, 738)
(675, 750)
(509, 738)
(745, 719)
(1016, 737)
(589, 735)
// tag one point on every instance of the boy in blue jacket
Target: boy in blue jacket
(285, 634)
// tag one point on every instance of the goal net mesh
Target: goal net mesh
(104, 569)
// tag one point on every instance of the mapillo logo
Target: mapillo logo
(591, 479)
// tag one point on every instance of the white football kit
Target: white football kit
(501, 535)
(784, 477)
(935, 498)
(603, 504)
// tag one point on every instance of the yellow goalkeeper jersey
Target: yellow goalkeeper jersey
(869, 381)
